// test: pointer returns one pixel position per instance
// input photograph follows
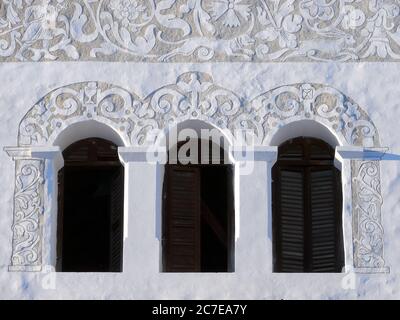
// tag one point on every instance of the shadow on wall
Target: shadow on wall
(391, 156)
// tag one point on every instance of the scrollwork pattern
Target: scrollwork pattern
(367, 228)
(323, 104)
(79, 102)
(199, 30)
(28, 209)
(195, 96)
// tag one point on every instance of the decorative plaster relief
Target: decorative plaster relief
(195, 96)
(199, 30)
(278, 107)
(105, 103)
(368, 231)
(28, 210)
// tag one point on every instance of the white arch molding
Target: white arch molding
(194, 96)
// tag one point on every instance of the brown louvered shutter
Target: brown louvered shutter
(326, 255)
(307, 208)
(116, 223)
(60, 219)
(231, 217)
(182, 225)
(290, 250)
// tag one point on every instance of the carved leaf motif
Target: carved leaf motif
(292, 23)
(170, 20)
(79, 21)
(202, 19)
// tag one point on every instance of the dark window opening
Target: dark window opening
(198, 218)
(307, 208)
(90, 206)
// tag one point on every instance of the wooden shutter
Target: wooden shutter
(116, 223)
(60, 219)
(231, 217)
(325, 220)
(290, 229)
(307, 208)
(182, 219)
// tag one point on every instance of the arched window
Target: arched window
(198, 213)
(90, 208)
(307, 208)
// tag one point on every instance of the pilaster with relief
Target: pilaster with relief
(28, 210)
(368, 233)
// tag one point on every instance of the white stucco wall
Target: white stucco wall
(374, 86)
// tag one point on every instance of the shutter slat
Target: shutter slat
(291, 220)
(323, 225)
(116, 225)
(182, 243)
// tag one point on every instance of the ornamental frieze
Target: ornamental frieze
(199, 30)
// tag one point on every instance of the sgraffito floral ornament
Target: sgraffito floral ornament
(195, 96)
(127, 12)
(199, 30)
(230, 12)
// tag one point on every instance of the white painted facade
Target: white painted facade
(327, 69)
(373, 86)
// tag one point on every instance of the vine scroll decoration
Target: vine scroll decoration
(368, 232)
(28, 210)
(200, 30)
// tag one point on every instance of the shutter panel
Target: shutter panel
(291, 237)
(60, 218)
(116, 221)
(182, 229)
(324, 220)
(231, 217)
